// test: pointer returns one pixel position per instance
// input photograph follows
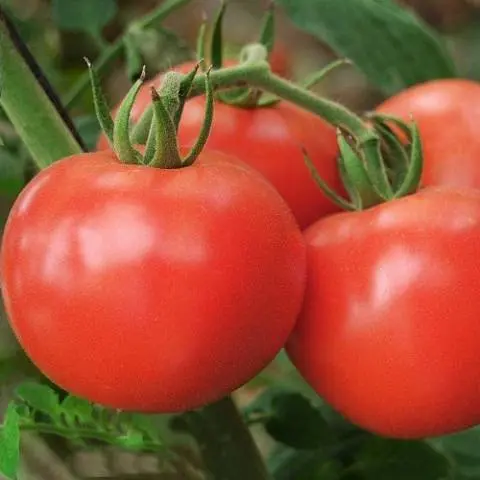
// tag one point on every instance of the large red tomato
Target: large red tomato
(148, 289)
(270, 140)
(448, 114)
(389, 333)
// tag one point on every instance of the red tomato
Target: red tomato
(280, 61)
(269, 140)
(389, 333)
(448, 115)
(148, 289)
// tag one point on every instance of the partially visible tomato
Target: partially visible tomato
(389, 333)
(270, 140)
(148, 289)
(280, 60)
(448, 114)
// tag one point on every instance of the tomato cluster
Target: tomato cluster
(162, 290)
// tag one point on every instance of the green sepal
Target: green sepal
(354, 176)
(166, 150)
(414, 172)
(216, 49)
(395, 154)
(328, 192)
(185, 87)
(317, 77)
(201, 41)
(122, 144)
(170, 92)
(140, 130)
(206, 126)
(267, 31)
(376, 168)
(100, 103)
(151, 140)
(384, 118)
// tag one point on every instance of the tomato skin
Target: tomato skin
(280, 60)
(448, 114)
(147, 289)
(270, 141)
(389, 332)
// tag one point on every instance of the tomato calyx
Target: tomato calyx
(377, 170)
(158, 127)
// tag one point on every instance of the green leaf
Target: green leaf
(133, 440)
(10, 443)
(77, 409)
(397, 460)
(12, 173)
(294, 421)
(40, 397)
(83, 15)
(463, 451)
(391, 45)
(144, 424)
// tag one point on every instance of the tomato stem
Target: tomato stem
(227, 447)
(32, 113)
(258, 74)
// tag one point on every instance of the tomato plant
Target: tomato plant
(389, 331)
(447, 113)
(150, 289)
(157, 282)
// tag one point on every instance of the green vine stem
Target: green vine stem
(86, 433)
(227, 447)
(33, 115)
(258, 74)
(113, 51)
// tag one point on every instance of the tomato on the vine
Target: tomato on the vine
(447, 113)
(151, 289)
(269, 139)
(389, 333)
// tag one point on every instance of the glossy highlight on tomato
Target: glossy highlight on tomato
(270, 140)
(149, 289)
(448, 114)
(389, 332)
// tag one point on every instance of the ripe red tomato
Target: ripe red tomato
(448, 114)
(280, 61)
(269, 140)
(148, 289)
(389, 333)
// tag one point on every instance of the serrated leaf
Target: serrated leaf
(40, 397)
(132, 440)
(10, 443)
(295, 422)
(75, 408)
(144, 424)
(397, 460)
(390, 44)
(83, 15)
